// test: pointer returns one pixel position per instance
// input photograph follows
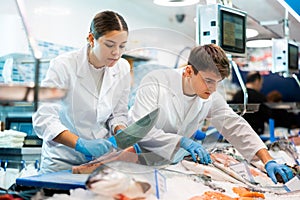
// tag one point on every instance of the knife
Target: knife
(136, 131)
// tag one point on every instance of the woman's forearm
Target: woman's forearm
(67, 138)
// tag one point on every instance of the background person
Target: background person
(274, 97)
(254, 83)
(186, 97)
(98, 84)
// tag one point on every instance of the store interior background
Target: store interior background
(159, 37)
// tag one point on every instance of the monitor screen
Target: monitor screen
(293, 56)
(233, 32)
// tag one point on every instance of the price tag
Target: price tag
(293, 184)
(243, 170)
(160, 184)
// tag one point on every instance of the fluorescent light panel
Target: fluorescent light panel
(175, 3)
(259, 43)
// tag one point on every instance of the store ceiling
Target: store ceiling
(268, 10)
(145, 14)
(258, 11)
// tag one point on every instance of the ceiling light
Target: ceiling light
(175, 2)
(259, 43)
(251, 33)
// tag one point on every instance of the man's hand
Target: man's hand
(273, 168)
(195, 148)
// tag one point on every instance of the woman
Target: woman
(98, 83)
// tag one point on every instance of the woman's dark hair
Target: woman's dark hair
(107, 21)
(209, 57)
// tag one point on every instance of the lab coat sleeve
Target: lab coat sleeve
(119, 115)
(148, 97)
(46, 120)
(234, 128)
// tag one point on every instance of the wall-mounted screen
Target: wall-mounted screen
(233, 32)
(293, 57)
(285, 54)
(224, 26)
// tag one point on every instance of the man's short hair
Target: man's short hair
(252, 77)
(209, 57)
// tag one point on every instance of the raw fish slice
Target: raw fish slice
(209, 195)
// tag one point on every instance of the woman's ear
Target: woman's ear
(91, 39)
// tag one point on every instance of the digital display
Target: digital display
(293, 56)
(233, 32)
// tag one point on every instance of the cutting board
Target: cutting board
(62, 180)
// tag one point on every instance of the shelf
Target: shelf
(239, 108)
(288, 106)
(10, 93)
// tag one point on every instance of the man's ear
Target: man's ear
(189, 70)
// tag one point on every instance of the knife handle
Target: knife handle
(112, 139)
(199, 135)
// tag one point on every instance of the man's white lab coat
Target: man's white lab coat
(163, 88)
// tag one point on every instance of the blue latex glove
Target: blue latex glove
(93, 148)
(272, 168)
(195, 148)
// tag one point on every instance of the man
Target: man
(254, 82)
(186, 97)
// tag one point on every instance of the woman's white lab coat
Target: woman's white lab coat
(81, 111)
(163, 88)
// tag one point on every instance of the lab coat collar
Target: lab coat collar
(82, 63)
(83, 72)
(177, 97)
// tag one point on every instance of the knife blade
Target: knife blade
(136, 131)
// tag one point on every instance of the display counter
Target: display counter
(228, 176)
(17, 157)
(177, 183)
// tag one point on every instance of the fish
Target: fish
(287, 146)
(222, 169)
(109, 180)
(208, 170)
